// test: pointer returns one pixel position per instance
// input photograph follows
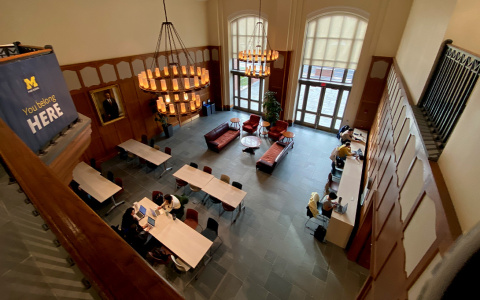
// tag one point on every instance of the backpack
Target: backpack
(320, 233)
(342, 130)
(340, 163)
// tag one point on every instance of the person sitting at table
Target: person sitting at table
(328, 204)
(344, 151)
(171, 204)
(130, 223)
(347, 135)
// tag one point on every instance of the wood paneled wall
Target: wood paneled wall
(139, 120)
(413, 217)
(278, 80)
(372, 91)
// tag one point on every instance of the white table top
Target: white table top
(92, 182)
(251, 141)
(193, 176)
(224, 192)
(180, 238)
(341, 226)
(146, 152)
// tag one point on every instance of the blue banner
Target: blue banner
(34, 99)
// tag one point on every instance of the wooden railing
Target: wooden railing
(106, 260)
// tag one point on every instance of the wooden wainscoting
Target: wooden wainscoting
(412, 217)
(139, 108)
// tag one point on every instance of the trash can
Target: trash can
(206, 110)
(212, 108)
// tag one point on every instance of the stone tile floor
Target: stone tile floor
(268, 253)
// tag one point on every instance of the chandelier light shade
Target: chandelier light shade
(177, 82)
(258, 53)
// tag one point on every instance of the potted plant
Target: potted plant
(271, 107)
(167, 128)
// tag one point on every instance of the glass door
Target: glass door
(321, 106)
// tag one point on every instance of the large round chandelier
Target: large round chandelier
(258, 52)
(176, 83)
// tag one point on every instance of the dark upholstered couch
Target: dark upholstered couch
(273, 156)
(218, 138)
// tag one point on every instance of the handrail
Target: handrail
(106, 260)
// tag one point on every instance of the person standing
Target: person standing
(171, 204)
(111, 107)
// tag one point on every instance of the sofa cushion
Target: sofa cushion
(272, 153)
(218, 131)
(226, 138)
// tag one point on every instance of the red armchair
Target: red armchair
(275, 132)
(252, 124)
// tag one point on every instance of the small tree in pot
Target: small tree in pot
(271, 107)
(167, 128)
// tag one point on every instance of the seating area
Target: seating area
(264, 232)
(276, 132)
(221, 136)
(273, 156)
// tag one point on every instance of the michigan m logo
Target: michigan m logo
(31, 83)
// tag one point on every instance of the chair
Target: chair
(196, 188)
(211, 232)
(157, 147)
(251, 125)
(95, 165)
(119, 182)
(225, 178)
(154, 198)
(229, 208)
(238, 185)
(180, 183)
(191, 218)
(336, 173)
(144, 139)
(153, 260)
(275, 132)
(110, 176)
(331, 185)
(179, 264)
(123, 154)
(194, 165)
(152, 143)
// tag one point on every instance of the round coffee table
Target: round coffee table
(235, 122)
(252, 143)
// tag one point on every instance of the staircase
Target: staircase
(32, 265)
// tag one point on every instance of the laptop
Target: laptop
(151, 222)
(341, 209)
(141, 212)
(155, 212)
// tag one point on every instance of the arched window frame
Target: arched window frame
(247, 92)
(327, 70)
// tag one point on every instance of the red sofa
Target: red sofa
(220, 137)
(251, 125)
(273, 156)
(275, 132)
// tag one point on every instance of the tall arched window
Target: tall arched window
(331, 51)
(247, 92)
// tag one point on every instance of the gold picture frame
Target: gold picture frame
(109, 109)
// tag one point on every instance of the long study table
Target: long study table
(146, 152)
(341, 225)
(213, 186)
(185, 242)
(97, 186)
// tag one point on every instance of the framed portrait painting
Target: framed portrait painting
(108, 103)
